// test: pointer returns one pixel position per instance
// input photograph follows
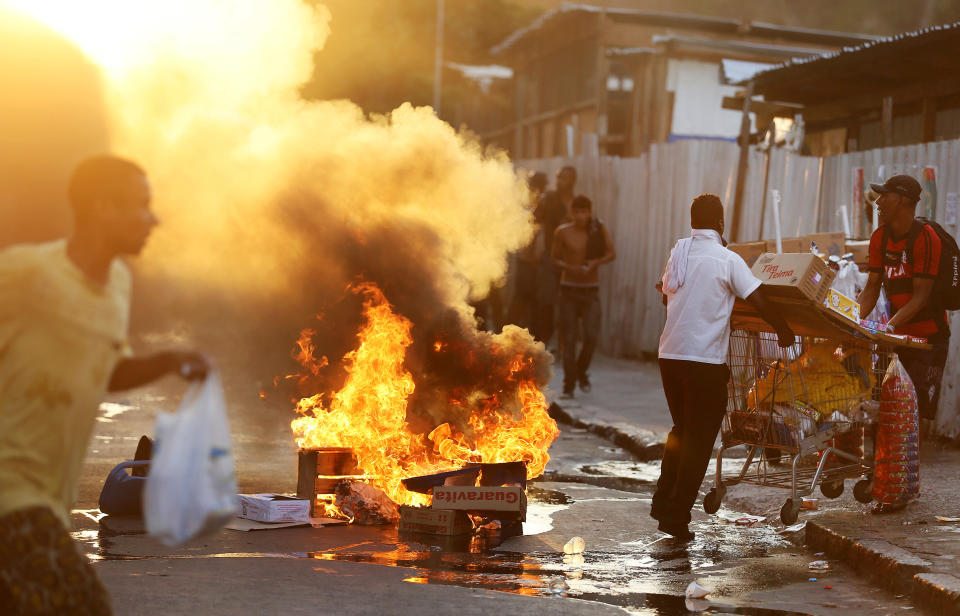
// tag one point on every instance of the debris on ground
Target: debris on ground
(575, 546)
(740, 519)
(819, 564)
(695, 591)
(366, 504)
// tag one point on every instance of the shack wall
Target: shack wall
(645, 202)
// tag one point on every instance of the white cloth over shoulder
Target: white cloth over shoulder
(676, 273)
(698, 311)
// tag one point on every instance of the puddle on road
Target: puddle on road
(109, 410)
(632, 579)
(654, 604)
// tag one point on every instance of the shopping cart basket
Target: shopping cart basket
(802, 413)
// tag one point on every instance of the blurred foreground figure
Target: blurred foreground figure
(63, 335)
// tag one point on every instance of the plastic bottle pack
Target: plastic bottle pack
(897, 472)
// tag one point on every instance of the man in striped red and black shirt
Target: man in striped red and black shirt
(905, 259)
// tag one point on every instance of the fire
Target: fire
(369, 413)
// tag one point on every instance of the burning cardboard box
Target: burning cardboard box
(504, 502)
(274, 508)
(795, 276)
(434, 521)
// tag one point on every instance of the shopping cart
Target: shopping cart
(802, 412)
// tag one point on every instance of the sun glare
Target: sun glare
(94, 26)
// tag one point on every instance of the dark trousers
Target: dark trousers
(697, 396)
(925, 368)
(578, 305)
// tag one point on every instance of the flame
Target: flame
(369, 413)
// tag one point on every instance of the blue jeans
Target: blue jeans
(578, 305)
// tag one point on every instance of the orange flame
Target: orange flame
(369, 414)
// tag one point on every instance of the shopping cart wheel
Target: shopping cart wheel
(832, 489)
(863, 490)
(711, 502)
(790, 512)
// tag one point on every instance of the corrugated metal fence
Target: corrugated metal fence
(645, 202)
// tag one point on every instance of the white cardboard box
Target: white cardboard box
(274, 508)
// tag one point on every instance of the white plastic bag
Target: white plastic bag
(191, 489)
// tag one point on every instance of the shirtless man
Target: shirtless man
(579, 248)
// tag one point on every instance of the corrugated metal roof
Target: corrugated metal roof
(879, 42)
(747, 47)
(685, 20)
(887, 63)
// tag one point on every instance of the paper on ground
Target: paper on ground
(743, 518)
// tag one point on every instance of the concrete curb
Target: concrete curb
(939, 592)
(889, 567)
(883, 563)
(643, 445)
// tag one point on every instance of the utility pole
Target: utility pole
(438, 59)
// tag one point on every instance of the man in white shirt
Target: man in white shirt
(701, 281)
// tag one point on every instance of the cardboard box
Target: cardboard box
(789, 244)
(511, 500)
(797, 276)
(827, 243)
(749, 251)
(860, 250)
(842, 305)
(434, 521)
(274, 508)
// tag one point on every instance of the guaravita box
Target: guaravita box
(434, 521)
(507, 502)
(794, 275)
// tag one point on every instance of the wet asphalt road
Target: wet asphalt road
(591, 490)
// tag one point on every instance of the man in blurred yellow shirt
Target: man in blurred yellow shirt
(63, 344)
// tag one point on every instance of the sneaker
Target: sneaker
(567, 394)
(677, 531)
(585, 384)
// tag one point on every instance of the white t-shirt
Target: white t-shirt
(698, 314)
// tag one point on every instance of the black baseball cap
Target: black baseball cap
(901, 184)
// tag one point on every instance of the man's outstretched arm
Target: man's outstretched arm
(137, 371)
(785, 335)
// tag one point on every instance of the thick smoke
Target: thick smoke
(272, 205)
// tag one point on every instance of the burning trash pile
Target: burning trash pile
(379, 450)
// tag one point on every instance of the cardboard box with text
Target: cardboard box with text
(434, 521)
(796, 276)
(510, 500)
